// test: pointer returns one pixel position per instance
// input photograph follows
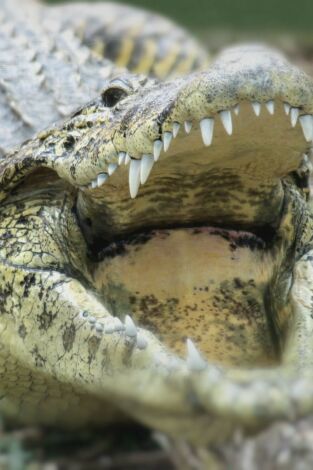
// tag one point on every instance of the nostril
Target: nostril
(112, 96)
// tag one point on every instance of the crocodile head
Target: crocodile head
(192, 197)
(187, 202)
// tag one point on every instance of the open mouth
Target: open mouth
(191, 244)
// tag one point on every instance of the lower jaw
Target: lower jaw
(204, 283)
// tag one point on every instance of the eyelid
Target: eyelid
(120, 83)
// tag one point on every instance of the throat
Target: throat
(205, 283)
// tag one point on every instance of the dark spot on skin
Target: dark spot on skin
(7, 235)
(238, 283)
(5, 293)
(93, 346)
(112, 250)
(252, 242)
(46, 318)
(69, 142)
(40, 361)
(22, 331)
(248, 306)
(69, 337)
(29, 280)
(119, 248)
(73, 170)
(22, 220)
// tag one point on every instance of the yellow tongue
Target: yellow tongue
(205, 284)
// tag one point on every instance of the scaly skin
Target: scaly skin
(139, 40)
(72, 359)
(47, 72)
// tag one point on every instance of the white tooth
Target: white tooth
(176, 127)
(294, 113)
(99, 327)
(142, 343)
(147, 163)
(236, 109)
(157, 148)
(188, 126)
(226, 121)
(256, 107)
(287, 108)
(306, 122)
(111, 168)
(94, 184)
(194, 361)
(134, 177)
(167, 139)
(127, 159)
(207, 127)
(270, 106)
(121, 157)
(110, 329)
(119, 326)
(130, 327)
(102, 178)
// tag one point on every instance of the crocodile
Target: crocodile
(156, 243)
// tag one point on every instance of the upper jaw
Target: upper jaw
(260, 146)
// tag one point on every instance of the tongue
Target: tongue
(204, 283)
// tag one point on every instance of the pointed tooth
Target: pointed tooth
(134, 177)
(227, 121)
(294, 113)
(121, 157)
(236, 109)
(176, 127)
(194, 361)
(127, 159)
(270, 106)
(167, 139)
(99, 327)
(306, 122)
(188, 126)
(146, 166)
(94, 184)
(110, 329)
(102, 178)
(207, 128)
(157, 148)
(256, 107)
(287, 108)
(119, 326)
(142, 343)
(111, 168)
(130, 327)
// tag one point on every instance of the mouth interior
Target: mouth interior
(192, 254)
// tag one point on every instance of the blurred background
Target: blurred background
(248, 15)
(287, 24)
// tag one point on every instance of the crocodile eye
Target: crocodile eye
(112, 96)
